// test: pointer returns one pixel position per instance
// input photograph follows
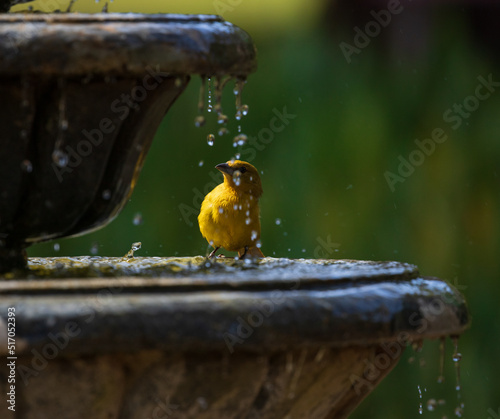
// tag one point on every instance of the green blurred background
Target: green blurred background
(324, 172)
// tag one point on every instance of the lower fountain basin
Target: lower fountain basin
(125, 336)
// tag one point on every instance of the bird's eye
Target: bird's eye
(242, 169)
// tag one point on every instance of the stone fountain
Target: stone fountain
(166, 337)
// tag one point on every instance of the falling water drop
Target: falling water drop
(442, 346)
(240, 139)
(210, 139)
(431, 405)
(278, 221)
(258, 244)
(94, 248)
(200, 163)
(209, 105)
(254, 235)
(25, 103)
(137, 221)
(420, 406)
(222, 119)
(60, 158)
(457, 357)
(244, 110)
(223, 131)
(26, 166)
(199, 121)
(57, 247)
(106, 194)
(418, 345)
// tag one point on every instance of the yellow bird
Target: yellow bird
(229, 215)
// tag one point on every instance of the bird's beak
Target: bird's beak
(225, 168)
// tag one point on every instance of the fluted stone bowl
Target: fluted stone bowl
(82, 97)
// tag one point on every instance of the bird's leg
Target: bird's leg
(244, 253)
(212, 253)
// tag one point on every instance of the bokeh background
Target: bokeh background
(324, 174)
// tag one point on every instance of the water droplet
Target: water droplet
(223, 131)
(202, 402)
(235, 207)
(57, 247)
(248, 221)
(236, 179)
(418, 345)
(459, 412)
(247, 213)
(63, 124)
(254, 235)
(200, 163)
(244, 110)
(94, 248)
(199, 121)
(303, 250)
(222, 119)
(278, 221)
(210, 139)
(258, 244)
(238, 155)
(26, 166)
(457, 357)
(420, 406)
(221, 210)
(60, 158)
(240, 139)
(138, 219)
(106, 194)
(442, 342)
(431, 405)
(238, 115)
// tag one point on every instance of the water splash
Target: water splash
(134, 248)
(210, 139)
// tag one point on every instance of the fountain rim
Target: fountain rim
(121, 44)
(109, 17)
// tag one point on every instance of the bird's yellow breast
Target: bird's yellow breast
(230, 219)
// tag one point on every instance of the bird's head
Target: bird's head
(241, 176)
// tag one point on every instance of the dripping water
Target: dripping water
(457, 357)
(199, 121)
(59, 157)
(442, 347)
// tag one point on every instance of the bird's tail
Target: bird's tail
(252, 252)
